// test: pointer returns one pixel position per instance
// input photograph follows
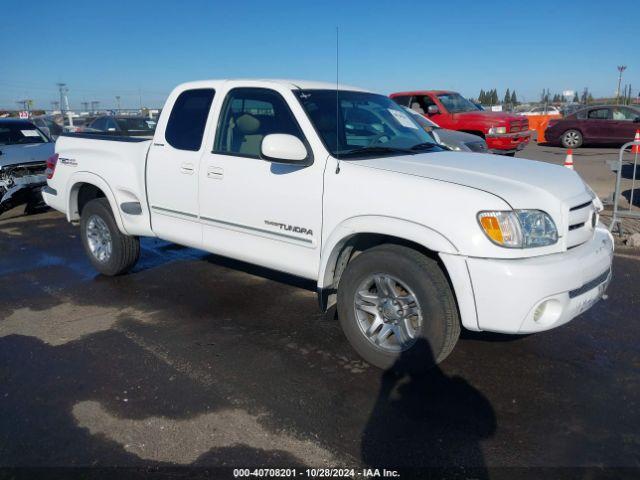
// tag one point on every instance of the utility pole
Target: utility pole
(118, 102)
(26, 105)
(64, 101)
(621, 68)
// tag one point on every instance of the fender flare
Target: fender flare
(99, 182)
(382, 225)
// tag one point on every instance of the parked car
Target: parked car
(505, 133)
(48, 125)
(348, 190)
(544, 110)
(458, 141)
(122, 125)
(24, 150)
(602, 124)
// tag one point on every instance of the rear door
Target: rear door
(598, 126)
(173, 165)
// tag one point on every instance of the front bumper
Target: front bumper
(508, 142)
(540, 293)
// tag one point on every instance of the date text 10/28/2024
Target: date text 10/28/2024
(315, 473)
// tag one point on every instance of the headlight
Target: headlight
(494, 130)
(519, 228)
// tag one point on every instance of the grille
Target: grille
(590, 285)
(582, 220)
(519, 125)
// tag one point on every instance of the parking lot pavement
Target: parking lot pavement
(194, 359)
(590, 163)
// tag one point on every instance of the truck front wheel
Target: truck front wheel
(109, 250)
(396, 307)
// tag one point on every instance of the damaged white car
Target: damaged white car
(24, 150)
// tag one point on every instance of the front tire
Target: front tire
(109, 250)
(395, 306)
(571, 139)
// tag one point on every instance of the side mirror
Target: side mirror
(284, 148)
(432, 109)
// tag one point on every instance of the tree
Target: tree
(576, 99)
(514, 99)
(589, 98)
(507, 97)
(494, 97)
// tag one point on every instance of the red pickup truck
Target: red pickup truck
(505, 133)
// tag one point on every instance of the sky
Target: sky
(140, 49)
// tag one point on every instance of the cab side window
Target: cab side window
(600, 114)
(248, 115)
(402, 100)
(188, 119)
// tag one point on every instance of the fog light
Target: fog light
(547, 312)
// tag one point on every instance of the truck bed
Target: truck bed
(105, 136)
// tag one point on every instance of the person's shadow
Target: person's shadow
(426, 419)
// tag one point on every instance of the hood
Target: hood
(28, 153)
(523, 184)
(495, 117)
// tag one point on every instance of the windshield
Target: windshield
(20, 134)
(133, 124)
(367, 124)
(456, 103)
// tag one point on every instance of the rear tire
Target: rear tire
(109, 250)
(427, 337)
(571, 139)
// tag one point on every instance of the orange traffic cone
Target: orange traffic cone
(568, 162)
(636, 148)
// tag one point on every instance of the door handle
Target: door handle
(215, 173)
(187, 168)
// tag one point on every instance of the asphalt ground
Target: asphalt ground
(197, 360)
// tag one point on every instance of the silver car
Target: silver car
(459, 141)
(24, 150)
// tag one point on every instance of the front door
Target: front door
(254, 210)
(626, 122)
(172, 169)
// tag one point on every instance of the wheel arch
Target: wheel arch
(85, 186)
(361, 233)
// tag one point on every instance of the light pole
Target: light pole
(621, 68)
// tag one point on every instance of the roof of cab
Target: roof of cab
(288, 83)
(421, 92)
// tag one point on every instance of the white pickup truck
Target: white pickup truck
(342, 186)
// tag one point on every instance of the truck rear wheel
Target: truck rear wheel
(109, 250)
(395, 305)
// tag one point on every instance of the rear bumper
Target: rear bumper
(508, 142)
(541, 293)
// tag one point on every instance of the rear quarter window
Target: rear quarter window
(188, 119)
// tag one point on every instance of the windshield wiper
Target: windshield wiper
(374, 150)
(425, 146)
